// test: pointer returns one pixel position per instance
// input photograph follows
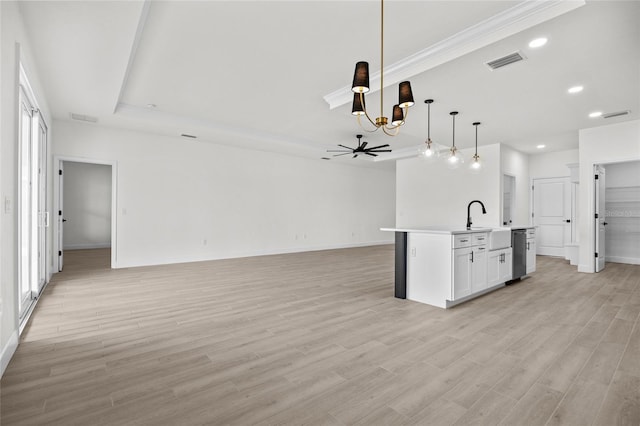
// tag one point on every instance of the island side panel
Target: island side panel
(401, 265)
(429, 268)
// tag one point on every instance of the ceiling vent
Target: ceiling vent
(506, 60)
(615, 114)
(82, 117)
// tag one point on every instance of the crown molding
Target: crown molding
(507, 23)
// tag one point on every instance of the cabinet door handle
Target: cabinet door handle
(528, 245)
(464, 241)
(471, 257)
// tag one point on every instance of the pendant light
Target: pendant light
(476, 165)
(454, 157)
(360, 86)
(429, 151)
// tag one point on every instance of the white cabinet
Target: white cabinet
(462, 272)
(531, 250)
(499, 267)
(469, 264)
(479, 269)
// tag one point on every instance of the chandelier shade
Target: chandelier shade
(357, 108)
(398, 116)
(361, 78)
(405, 95)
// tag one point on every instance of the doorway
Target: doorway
(508, 199)
(86, 208)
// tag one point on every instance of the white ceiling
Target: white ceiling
(255, 74)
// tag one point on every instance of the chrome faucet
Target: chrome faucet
(484, 211)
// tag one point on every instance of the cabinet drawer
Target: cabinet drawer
(462, 240)
(531, 233)
(480, 239)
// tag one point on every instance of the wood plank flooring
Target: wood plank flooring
(318, 339)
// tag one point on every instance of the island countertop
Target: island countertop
(437, 229)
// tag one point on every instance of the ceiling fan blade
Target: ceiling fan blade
(378, 150)
(364, 144)
(338, 150)
(338, 155)
(379, 146)
(345, 147)
(373, 155)
(355, 155)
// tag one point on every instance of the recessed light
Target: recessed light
(575, 89)
(595, 114)
(540, 146)
(539, 42)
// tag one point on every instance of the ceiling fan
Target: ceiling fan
(361, 149)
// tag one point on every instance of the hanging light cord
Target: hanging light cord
(476, 139)
(454, 131)
(429, 121)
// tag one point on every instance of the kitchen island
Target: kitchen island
(443, 266)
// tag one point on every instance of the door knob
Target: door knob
(568, 220)
(64, 220)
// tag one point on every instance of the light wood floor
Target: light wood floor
(317, 338)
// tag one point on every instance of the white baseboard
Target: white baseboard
(619, 259)
(87, 246)
(8, 351)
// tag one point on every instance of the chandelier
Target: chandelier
(360, 86)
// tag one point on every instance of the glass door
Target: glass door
(26, 223)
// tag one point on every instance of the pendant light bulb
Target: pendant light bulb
(476, 165)
(429, 151)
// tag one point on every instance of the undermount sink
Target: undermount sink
(499, 238)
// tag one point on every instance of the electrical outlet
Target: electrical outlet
(204, 242)
(413, 252)
(7, 205)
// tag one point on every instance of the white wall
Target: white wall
(432, 194)
(551, 164)
(180, 200)
(87, 205)
(14, 45)
(601, 145)
(516, 164)
(623, 174)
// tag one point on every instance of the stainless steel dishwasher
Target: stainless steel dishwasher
(519, 246)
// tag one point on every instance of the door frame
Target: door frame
(57, 162)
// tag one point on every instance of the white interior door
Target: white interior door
(552, 215)
(600, 217)
(60, 216)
